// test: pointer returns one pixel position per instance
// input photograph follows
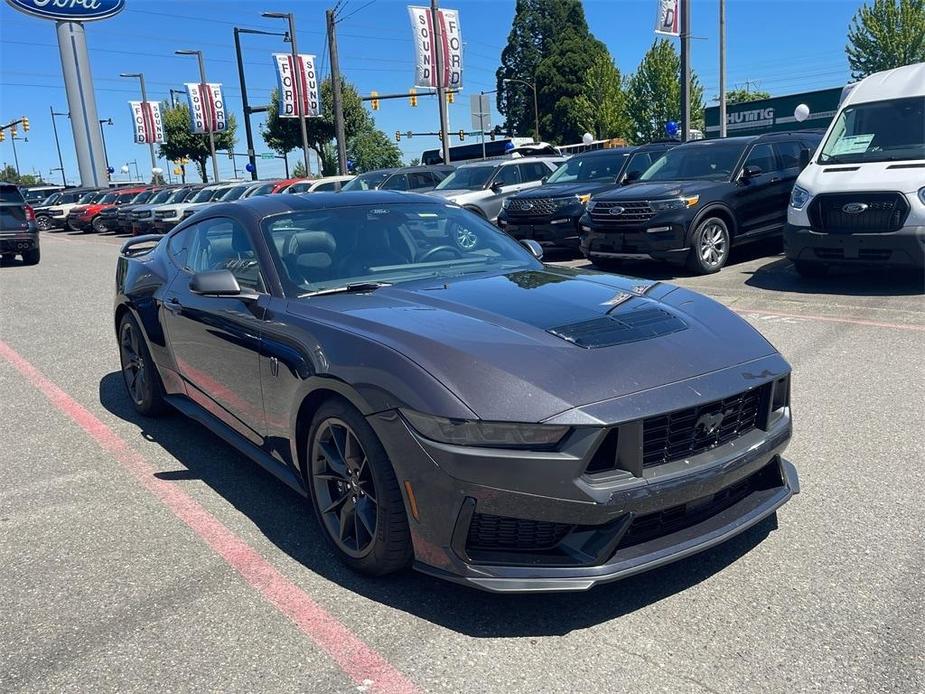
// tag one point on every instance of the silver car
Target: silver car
(482, 186)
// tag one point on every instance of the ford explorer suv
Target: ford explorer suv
(697, 201)
(549, 214)
(861, 202)
(482, 187)
(18, 232)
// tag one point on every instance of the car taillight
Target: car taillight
(30, 214)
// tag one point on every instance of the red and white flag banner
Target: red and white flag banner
(147, 123)
(668, 22)
(291, 73)
(206, 108)
(450, 47)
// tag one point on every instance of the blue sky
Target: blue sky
(781, 46)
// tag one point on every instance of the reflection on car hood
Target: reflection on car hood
(561, 190)
(508, 345)
(657, 190)
(459, 197)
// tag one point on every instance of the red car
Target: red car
(86, 217)
(285, 183)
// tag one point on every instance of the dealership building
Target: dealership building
(775, 114)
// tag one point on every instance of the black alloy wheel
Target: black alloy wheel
(43, 222)
(138, 371)
(98, 225)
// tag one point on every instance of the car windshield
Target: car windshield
(109, 197)
(467, 178)
(203, 195)
(141, 197)
(262, 189)
(708, 162)
(889, 130)
(161, 196)
(11, 194)
(329, 249)
(87, 198)
(232, 193)
(597, 167)
(50, 200)
(367, 181)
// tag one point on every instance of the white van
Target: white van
(862, 198)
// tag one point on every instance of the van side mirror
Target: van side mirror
(804, 158)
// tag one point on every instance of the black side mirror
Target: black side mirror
(535, 248)
(496, 187)
(804, 158)
(751, 171)
(632, 176)
(215, 283)
(544, 178)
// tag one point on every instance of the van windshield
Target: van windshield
(891, 130)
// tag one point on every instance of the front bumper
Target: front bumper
(162, 226)
(18, 241)
(140, 227)
(601, 526)
(559, 232)
(902, 248)
(656, 241)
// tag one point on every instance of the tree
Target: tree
(519, 60)
(888, 34)
(601, 106)
(372, 149)
(740, 96)
(8, 175)
(182, 143)
(654, 94)
(299, 170)
(414, 161)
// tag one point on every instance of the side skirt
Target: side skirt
(285, 474)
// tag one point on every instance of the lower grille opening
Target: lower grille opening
(502, 533)
(605, 457)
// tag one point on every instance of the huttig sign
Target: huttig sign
(206, 107)
(146, 120)
(303, 70)
(422, 26)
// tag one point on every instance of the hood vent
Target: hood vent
(619, 329)
(844, 168)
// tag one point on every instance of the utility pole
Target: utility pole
(54, 126)
(441, 91)
(173, 98)
(144, 102)
(15, 156)
(685, 6)
(338, 98)
(204, 86)
(107, 121)
(722, 68)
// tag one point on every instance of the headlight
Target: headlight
(506, 203)
(583, 199)
(922, 195)
(800, 196)
(674, 203)
(468, 432)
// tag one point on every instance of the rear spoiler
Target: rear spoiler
(140, 245)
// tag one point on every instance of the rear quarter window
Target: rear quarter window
(11, 194)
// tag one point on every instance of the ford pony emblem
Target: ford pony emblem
(69, 10)
(854, 208)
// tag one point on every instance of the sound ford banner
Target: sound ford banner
(422, 27)
(303, 70)
(146, 120)
(206, 107)
(668, 21)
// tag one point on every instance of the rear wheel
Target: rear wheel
(355, 493)
(139, 373)
(31, 257)
(809, 269)
(43, 222)
(709, 246)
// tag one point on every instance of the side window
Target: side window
(533, 171)
(177, 244)
(639, 163)
(223, 244)
(789, 154)
(421, 180)
(507, 176)
(763, 157)
(397, 182)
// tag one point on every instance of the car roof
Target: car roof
(510, 162)
(266, 205)
(599, 152)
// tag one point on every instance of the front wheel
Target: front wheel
(355, 493)
(43, 222)
(709, 246)
(98, 225)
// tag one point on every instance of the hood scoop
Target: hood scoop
(621, 328)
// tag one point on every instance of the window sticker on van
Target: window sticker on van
(853, 144)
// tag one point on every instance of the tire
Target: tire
(139, 374)
(710, 245)
(43, 222)
(810, 270)
(31, 257)
(354, 492)
(98, 225)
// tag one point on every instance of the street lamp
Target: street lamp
(202, 80)
(173, 99)
(54, 126)
(144, 99)
(106, 121)
(288, 16)
(536, 109)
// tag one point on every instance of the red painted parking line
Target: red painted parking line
(358, 661)
(832, 319)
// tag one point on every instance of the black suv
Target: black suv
(698, 200)
(18, 233)
(549, 214)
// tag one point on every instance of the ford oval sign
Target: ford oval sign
(69, 10)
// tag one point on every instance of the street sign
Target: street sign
(481, 112)
(267, 155)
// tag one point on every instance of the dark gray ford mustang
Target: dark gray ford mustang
(446, 400)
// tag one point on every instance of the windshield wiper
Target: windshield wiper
(349, 288)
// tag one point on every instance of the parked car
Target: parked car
(166, 217)
(318, 185)
(549, 214)
(697, 201)
(281, 185)
(260, 188)
(52, 213)
(33, 195)
(19, 234)
(460, 408)
(481, 187)
(417, 178)
(862, 201)
(142, 216)
(231, 192)
(369, 180)
(118, 219)
(87, 217)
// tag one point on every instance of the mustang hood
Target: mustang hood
(528, 345)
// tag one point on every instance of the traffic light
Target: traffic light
(450, 97)
(397, 136)
(413, 97)
(2, 136)
(375, 100)
(13, 129)
(462, 135)
(409, 134)
(25, 124)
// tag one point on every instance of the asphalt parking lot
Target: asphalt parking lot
(148, 555)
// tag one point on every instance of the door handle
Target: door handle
(173, 304)
(776, 179)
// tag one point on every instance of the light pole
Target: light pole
(106, 121)
(536, 108)
(203, 83)
(482, 114)
(134, 163)
(54, 126)
(251, 154)
(173, 99)
(296, 81)
(144, 101)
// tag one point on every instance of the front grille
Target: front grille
(142, 215)
(165, 214)
(884, 212)
(631, 213)
(829, 253)
(487, 532)
(532, 207)
(683, 433)
(875, 254)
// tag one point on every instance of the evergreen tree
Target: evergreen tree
(654, 94)
(888, 34)
(183, 143)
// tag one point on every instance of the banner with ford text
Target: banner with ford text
(147, 123)
(668, 22)
(422, 27)
(303, 70)
(206, 108)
